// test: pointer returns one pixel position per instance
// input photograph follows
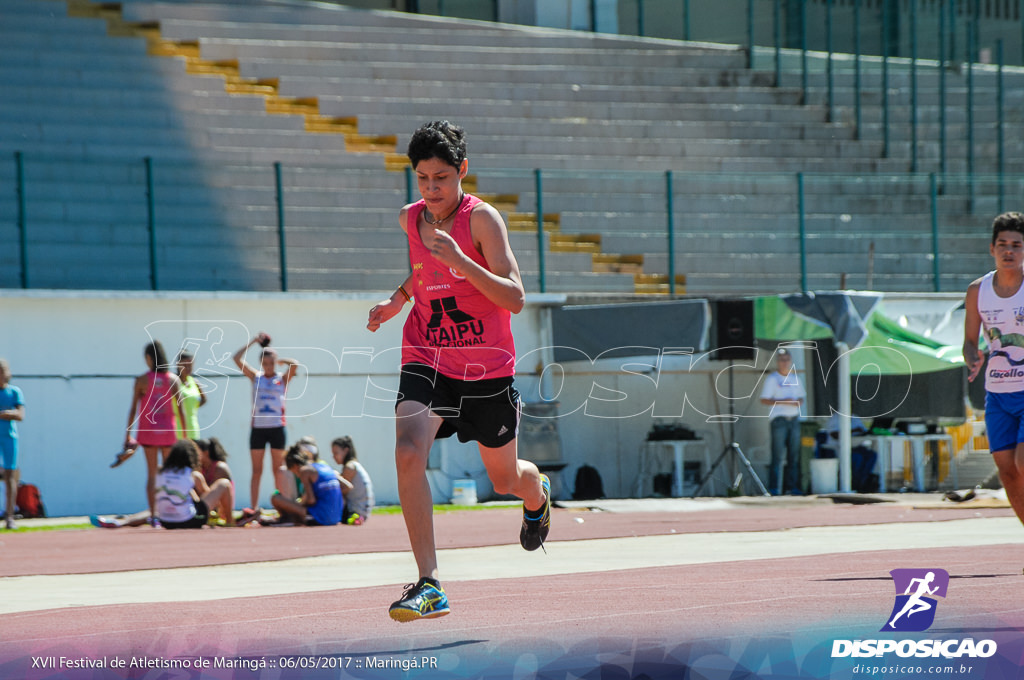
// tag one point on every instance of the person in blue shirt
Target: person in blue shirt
(12, 410)
(322, 502)
(785, 395)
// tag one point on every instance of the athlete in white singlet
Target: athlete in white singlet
(995, 305)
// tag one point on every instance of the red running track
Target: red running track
(657, 622)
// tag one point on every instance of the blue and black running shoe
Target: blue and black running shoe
(424, 599)
(537, 522)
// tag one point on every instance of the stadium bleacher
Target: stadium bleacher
(215, 93)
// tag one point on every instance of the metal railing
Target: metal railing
(925, 44)
(966, 179)
(935, 29)
(775, 232)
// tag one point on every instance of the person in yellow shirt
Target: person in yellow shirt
(192, 396)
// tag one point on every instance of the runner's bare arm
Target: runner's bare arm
(973, 357)
(240, 361)
(386, 309)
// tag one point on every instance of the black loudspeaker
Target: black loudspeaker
(734, 330)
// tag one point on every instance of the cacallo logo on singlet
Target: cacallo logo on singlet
(462, 330)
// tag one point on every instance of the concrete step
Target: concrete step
(483, 36)
(51, 24)
(538, 92)
(341, 229)
(711, 163)
(219, 154)
(244, 11)
(86, 42)
(394, 70)
(163, 120)
(23, 9)
(453, 56)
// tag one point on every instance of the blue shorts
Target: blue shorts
(9, 453)
(1004, 420)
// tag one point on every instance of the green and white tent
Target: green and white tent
(894, 371)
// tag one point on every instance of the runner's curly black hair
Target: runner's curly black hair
(438, 139)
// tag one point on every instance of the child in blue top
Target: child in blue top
(12, 409)
(322, 502)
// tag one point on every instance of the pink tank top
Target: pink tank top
(453, 326)
(157, 425)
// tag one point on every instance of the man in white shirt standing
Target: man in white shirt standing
(784, 393)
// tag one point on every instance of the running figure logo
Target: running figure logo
(914, 610)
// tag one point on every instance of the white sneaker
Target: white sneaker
(10, 523)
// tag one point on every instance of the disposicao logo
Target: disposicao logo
(913, 612)
(916, 589)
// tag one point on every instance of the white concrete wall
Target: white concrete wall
(76, 353)
(609, 407)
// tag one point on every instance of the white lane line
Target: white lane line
(332, 572)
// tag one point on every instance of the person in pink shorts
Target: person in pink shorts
(154, 414)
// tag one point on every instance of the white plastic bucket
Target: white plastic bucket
(824, 475)
(464, 492)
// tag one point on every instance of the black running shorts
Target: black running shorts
(259, 437)
(484, 411)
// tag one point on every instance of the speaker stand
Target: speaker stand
(732, 450)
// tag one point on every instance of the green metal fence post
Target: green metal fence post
(976, 32)
(913, 85)
(1000, 125)
(803, 230)
(885, 80)
(686, 19)
(640, 18)
(408, 196)
(952, 30)
(803, 51)
(671, 226)
(777, 30)
(933, 190)
(828, 60)
(282, 245)
(154, 277)
(856, 68)
(942, 89)
(750, 34)
(19, 188)
(539, 186)
(970, 121)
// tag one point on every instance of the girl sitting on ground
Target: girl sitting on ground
(183, 498)
(322, 502)
(213, 464)
(359, 501)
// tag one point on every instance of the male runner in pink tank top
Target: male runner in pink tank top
(458, 356)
